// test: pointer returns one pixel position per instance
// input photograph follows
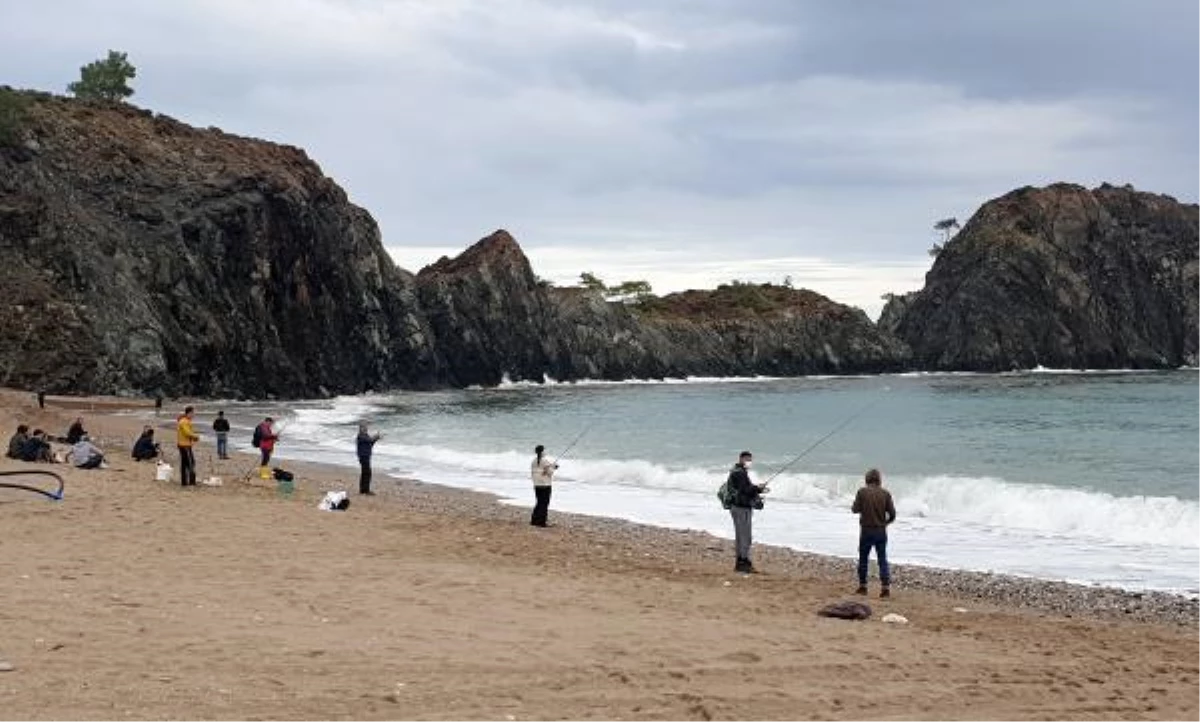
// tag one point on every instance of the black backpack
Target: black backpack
(256, 440)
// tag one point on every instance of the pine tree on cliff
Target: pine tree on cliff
(105, 79)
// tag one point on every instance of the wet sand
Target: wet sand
(139, 599)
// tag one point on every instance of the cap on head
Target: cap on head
(872, 477)
(745, 455)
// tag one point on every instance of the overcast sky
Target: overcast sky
(683, 142)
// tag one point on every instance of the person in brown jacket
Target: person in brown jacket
(875, 510)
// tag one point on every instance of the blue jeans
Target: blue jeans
(222, 444)
(877, 539)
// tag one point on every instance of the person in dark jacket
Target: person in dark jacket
(76, 432)
(36, 448)
(875, 510)
(221, 429)
(366, 444)
(747, 496)
(144, 448)
(18, 441)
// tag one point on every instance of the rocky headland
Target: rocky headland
(143, 255)
(1061, 277)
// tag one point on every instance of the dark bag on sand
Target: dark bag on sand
(281, 475)
(846, 610)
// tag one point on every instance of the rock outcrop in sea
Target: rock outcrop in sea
(141, 255)
(1060, 277)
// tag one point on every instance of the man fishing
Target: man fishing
(747, 496)
(875, 510)
(542, 472)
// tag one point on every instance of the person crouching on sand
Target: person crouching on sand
(542, 471)
(875, 510)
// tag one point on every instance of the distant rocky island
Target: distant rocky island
(1060, 277)
(141, 255)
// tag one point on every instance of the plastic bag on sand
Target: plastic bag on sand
(893, 618)
(162, 472)
(334, 501)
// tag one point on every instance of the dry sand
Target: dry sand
(136, 599)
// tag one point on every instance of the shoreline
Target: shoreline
(1070, 599)
(138, 599)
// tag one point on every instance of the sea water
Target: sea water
(1089, 477)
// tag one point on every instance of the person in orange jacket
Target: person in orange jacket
(185, 438)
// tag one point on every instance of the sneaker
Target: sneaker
(885, 593)
(861, 590)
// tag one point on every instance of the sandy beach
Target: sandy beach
(137, 599)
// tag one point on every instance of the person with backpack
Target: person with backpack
(875, 510)
(745, 497)
(264, 439)
(221, 429)
(542, 472)
(185, 439)
(366, 444)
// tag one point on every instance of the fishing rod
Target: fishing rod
(823, 439)
(570, 446)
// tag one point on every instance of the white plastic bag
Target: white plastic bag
(162, 472)
(331, 500)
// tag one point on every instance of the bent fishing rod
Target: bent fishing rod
(824, 438)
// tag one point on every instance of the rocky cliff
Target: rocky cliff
(139, 254)
(1062, 277)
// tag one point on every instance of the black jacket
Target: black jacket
(221, 425)
(745, 492)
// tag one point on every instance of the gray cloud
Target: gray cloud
(727, 131)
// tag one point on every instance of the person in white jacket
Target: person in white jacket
(542, 472)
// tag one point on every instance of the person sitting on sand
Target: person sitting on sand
(17, 441)
(85, 455)
(542, 471)
(144, 448)
(76, 432)
(36, 448)
(875, 510)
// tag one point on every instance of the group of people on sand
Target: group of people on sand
(872, 503)
(36, 446)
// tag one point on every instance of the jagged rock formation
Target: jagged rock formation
(139, 254)
(1061, 277)
(142, 254)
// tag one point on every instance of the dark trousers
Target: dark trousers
(873, 539)
(266, 456)
(187, 466)
(94, 461)
(542, 508)
(364, 476)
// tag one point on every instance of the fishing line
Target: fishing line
(570, 446)
(53, 495)
(826, 437)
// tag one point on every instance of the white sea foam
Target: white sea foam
(986, 523)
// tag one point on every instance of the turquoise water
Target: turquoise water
(1089, 477)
